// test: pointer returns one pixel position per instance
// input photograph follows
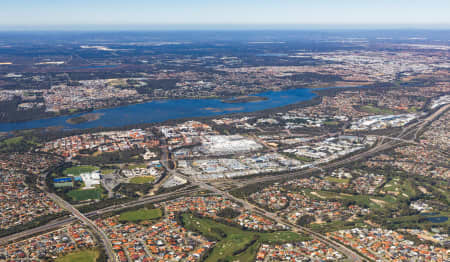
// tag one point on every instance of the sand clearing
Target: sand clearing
(378, 202)
(317, 195)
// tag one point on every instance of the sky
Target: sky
(207, 13)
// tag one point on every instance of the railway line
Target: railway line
(409, 134)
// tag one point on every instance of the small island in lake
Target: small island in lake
(244, 99)
(84, 118)
(220, 110)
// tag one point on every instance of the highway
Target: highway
(165, 162)
(411, 130)
(89, 223)
(352, 255)
(404, 136)
(57, 223)
(344, 250)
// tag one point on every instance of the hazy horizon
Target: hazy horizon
(198, 14)
(219, 27)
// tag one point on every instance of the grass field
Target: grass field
(140, 215)
(13, 141)
(338, 180)
(137, 165)
(443, 190)
(403, 188)
(376, 110)
(77, 170)
(142, 179)
(301, 158)
(413, 109)
(107, 171)
(361, 200)
(235, 244)
(80, 256)
(419, 221)
(392, 185)
(337, 225)
(17, 143)
(81, 195)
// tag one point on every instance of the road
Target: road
(411, 130)
(344, 250)
(341, 248)
(80, 216)
(165, 162)
(57, 223)
(415, 129)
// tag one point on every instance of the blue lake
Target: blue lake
(437, 219)
(161, 110)
(93, 67)
(273, 54)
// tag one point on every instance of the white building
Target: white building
(91, 179)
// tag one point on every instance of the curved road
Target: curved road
(100, 233)
(413, 129)
(60, 222)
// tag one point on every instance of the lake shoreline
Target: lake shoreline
(84, 118)
(161, 111)
(255, 96)
(244, 99)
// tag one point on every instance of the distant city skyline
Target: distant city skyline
(232, 14)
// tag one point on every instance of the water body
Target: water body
(437, 219)
(432, 217)
(273, 54)
(158, 111)
(93, 67)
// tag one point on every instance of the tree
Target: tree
(305, 220)
(228, 212)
